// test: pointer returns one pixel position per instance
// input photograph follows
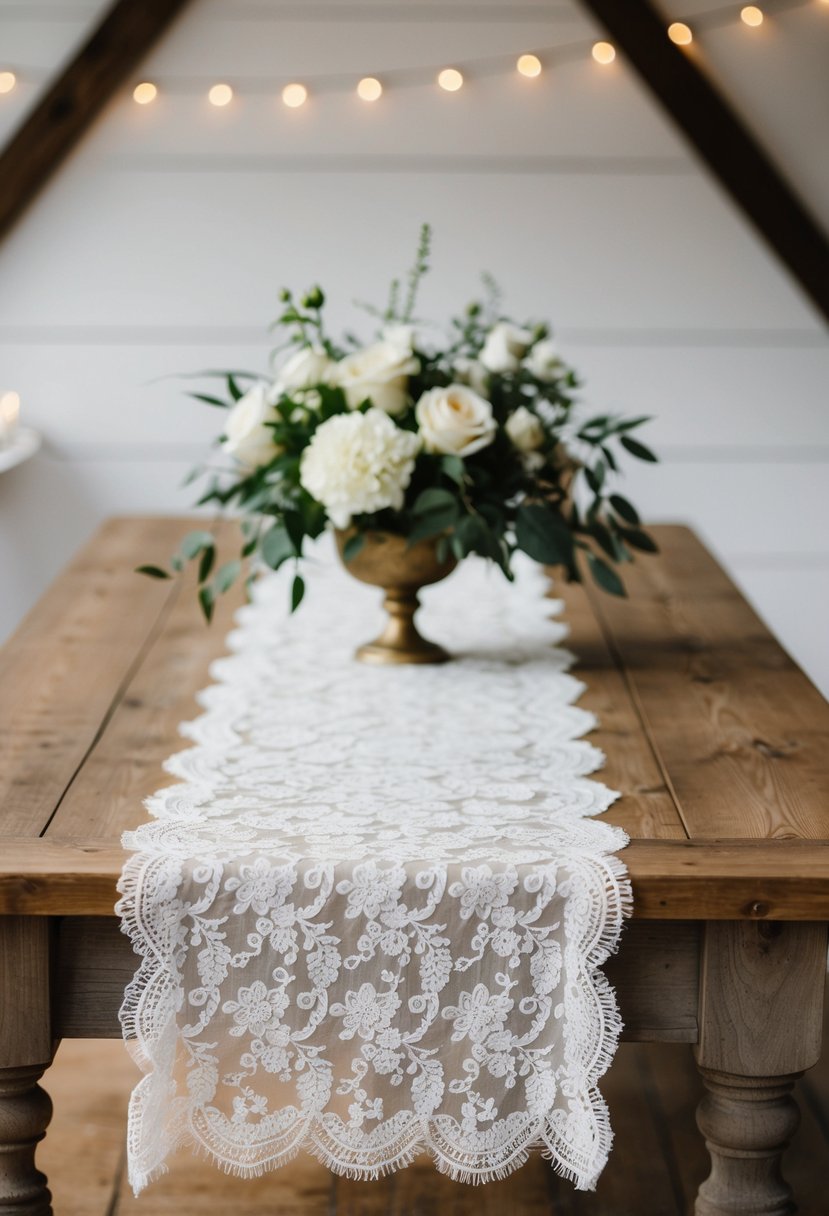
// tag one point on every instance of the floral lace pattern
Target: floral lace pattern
(372, 913)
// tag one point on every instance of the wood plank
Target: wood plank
(73, 100)
(740, 731)
(125, 767)
(672, 880)
(646, 808)
(62, 671)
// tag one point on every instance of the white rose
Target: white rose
(378, 373)
(525, 430)
(473, 373)
(543, 360)
(357, 464)
(305, 369)
(504, 347)
(455, 420)
(400, 335)
(247, 437)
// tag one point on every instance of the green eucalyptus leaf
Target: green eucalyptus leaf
(454, 468)
(297, 591)
(542, 534)
(433, 500)
(276, 547)
(627, 424)
(295, 529)
(604, 537)
(233, 387)
(637, 449)
(605, 576)
(207, 601)
(208, 400)
(640, 540)
(624, 509)
(208, 557)
(194, 542)
(226, 576)
(152, 571)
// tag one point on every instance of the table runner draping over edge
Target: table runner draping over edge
(373, 912)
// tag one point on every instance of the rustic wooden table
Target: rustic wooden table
(719, 742)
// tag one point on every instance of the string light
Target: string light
(603, 52)
(144, 93)
(450, 79)
(369, 89)
(529, 65)
(294, 95)
(751, 15)
(220, 95)
(680, 33)
(7, 82)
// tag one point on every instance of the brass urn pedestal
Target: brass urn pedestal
(388, 561)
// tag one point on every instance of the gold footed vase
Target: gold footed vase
(388, 561)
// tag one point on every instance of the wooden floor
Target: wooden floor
(657, 1162)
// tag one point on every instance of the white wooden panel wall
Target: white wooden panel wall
(162, 244)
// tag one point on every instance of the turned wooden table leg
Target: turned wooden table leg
(25, 1111)
(25, 1053)
(761, 1005)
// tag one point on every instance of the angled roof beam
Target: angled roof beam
(72, 101)
(731, 152)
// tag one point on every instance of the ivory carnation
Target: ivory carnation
(525, 430)
(247, 435)
(504, 348)
(357, 464)
(455, 420)
(379, 373)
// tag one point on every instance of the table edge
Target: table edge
(670, 879)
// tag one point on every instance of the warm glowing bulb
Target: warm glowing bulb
(294, 95)
(603, 52)
(450, 79)
(369, 89)
(529, 65)
(680, 33)
(751, 15)
(144, 93)
(220, 95)
(7, 82)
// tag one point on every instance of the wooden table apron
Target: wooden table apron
(719, 742)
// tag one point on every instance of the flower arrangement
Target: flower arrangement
(474, 443)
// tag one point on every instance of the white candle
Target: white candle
(9, 415)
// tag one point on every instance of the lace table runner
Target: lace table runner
(372, 914)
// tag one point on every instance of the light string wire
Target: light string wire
(402, 78)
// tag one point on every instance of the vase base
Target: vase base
(380, 654)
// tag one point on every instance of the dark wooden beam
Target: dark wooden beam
(731, 152)
(72, 101)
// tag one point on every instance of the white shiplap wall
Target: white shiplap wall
(161, 245)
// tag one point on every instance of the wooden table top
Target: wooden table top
(718, 741)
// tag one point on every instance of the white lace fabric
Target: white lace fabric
(373, 912)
